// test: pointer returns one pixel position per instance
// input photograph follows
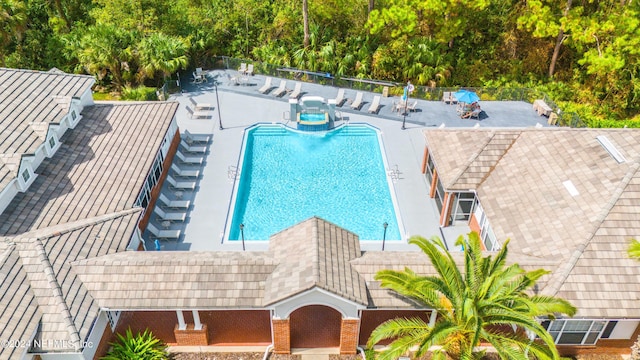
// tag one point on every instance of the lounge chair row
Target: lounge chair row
(281, 89)
(357, 102)
(168, 211)
(245, 69)
(199, 110)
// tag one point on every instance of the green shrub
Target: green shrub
(143, 346)
(141, 93)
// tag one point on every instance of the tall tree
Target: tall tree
(163, 54)
(473, 306)
(305, 21)
(13, 17)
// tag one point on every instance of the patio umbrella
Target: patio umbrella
(466, 96)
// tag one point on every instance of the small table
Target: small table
(166, 224)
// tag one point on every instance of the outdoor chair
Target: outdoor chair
(250, 70)
(357, 102)
(188, 159)
(375, 104)
(340, 98)
(174, 204)
(296, 91)
(197, 114)
(282, 88)
(169, 216)
(412, 107)
(243, 68)
(185, 172)
(199, 106)
(180, 185)
(266, 87)
(449, 98)
(193, 148)
(196, 78)
(195, 138)
(163, 234)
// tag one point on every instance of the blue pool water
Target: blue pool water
(290, 176)
(312, 117)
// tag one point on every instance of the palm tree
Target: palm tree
(473, 307)
(634, 249)
(162, 53)
(13, 16)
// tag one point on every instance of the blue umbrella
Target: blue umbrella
(466, 96)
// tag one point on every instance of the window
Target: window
(575, 332)
(152, 180)
(430, 168)
(52, 142)
(26, 175)
(73, 115)
(463, 206)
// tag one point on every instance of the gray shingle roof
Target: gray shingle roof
(120, 139)
(522, 192)
(314, 253)
(29, 102)
(38, 270)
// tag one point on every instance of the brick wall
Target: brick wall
(190, 336)
(349, 336)
(370, 319)
(104, 344)
(281, 336)
(235, 327)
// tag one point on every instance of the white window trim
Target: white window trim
(23, 185)
(73, 109)
(586, 333)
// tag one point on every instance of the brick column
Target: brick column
(191, 336)
(349, 336)
(281, 336)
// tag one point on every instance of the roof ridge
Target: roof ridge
(474, 156)
(555, 282)
(519, 133)
(315, 261)
(57, 294)
(60, 229)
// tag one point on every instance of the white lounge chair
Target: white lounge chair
(188, 159)
(449, 98)
(185, 172)
(200, 106)
(266, 87)
(243, 68)
(195, 138)
(193, 148)
(180, 185)
(163, 234)
(250, 70)
(282, 88)
(174, 204)
(357, 102)
(197, 114)
(296, 91)
(197, 79)
(375, 104)
(412, 107)
(169, 216)
(340, 98)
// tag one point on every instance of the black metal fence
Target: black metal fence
(396, 89)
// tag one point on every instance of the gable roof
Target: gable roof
(71, 185)
(315, 253)
(523, 193)
(43, 294)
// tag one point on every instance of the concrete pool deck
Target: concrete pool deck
(243, 106)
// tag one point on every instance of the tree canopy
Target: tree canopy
(487, 301)
(584, 53)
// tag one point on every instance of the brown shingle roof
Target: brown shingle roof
(524, 198)
(314, 253)
(169, 280)
(120, 139)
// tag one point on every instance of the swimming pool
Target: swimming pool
(289, 176)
